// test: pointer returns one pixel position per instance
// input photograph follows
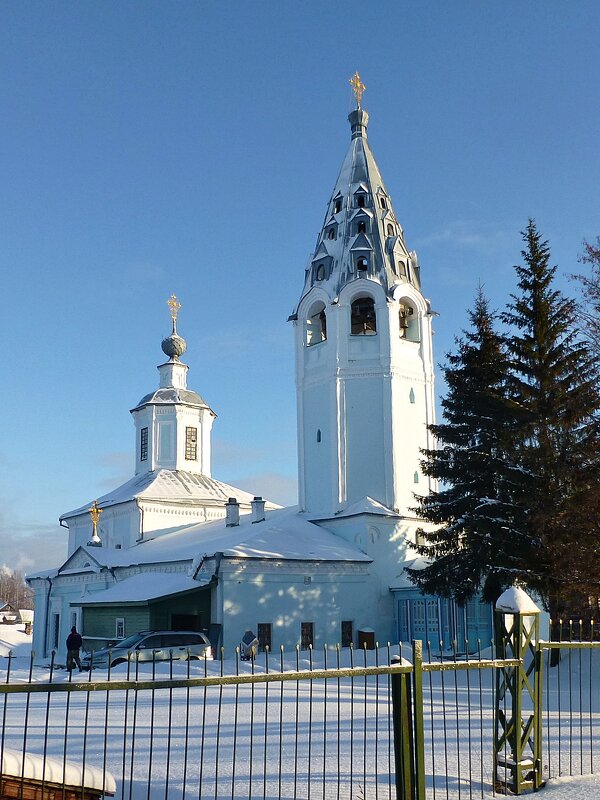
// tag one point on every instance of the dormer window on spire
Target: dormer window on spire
(337, 205)
(362, 264)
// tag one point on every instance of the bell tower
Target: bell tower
(363, 341)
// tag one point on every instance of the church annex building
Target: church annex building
(176, 549)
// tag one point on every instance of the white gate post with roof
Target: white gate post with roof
(518, 728)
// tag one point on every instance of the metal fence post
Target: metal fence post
(403, 733)
(517, 741)
(419, 725)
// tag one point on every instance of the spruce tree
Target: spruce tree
(552, 379)
(479, 534)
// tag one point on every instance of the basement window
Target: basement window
(265, 636)
(363, 320)
(307, 635)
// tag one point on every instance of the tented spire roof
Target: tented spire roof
(361, 235)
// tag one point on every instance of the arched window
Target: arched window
(337, 206)
(390, 230)
(316, 324)
(331, 233)
(320, 272)
(402, 269)
(319, 436)
(411, 396)
(361, 227)
(362, 263)
(409, 321)
(416, 477)
(363, 320)
(382, 201)
(360, 201)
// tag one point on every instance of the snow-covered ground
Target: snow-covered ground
(284, 736)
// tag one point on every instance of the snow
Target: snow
(53, 770)
(144, 586)
(283, 534)
(516, 601)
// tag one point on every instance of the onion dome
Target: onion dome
(174, 346)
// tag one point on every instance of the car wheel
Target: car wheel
(118, 661)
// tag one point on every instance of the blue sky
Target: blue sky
(190, 147)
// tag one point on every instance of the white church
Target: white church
(175, 548)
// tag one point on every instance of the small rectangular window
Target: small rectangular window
(144, 444)
(265, 636)
(347, 633)
(307, 635)
(120, 628)
(191, 444)
(55, 631)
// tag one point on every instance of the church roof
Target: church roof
(143, 587)
(172, 395)
(171, 486)
(360, 194)
(283, 534)
(364, 506)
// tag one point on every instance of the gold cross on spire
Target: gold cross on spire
(358, 87)
(174, 306)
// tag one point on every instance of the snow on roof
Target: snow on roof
(283, 534)
(516, 601)
(171, 486)
(53, 770)
(365, 506)
(402, 581)
(44, 573)
(143, 587)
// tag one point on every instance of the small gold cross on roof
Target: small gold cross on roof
(174, 306)
(358, 87)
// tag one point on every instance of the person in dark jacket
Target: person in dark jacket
(74, 642)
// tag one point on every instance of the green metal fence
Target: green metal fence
(448, 722)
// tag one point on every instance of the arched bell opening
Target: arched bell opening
(363, 319)
(316, 324)
(409, 321)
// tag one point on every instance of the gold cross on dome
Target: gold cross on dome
(95, 512)
(358, 87)
(174, 306)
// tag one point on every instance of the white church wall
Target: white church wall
(285, 596)
(318, 413)
(364, 439)
(387, 541)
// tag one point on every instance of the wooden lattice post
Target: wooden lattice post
(517, 744)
